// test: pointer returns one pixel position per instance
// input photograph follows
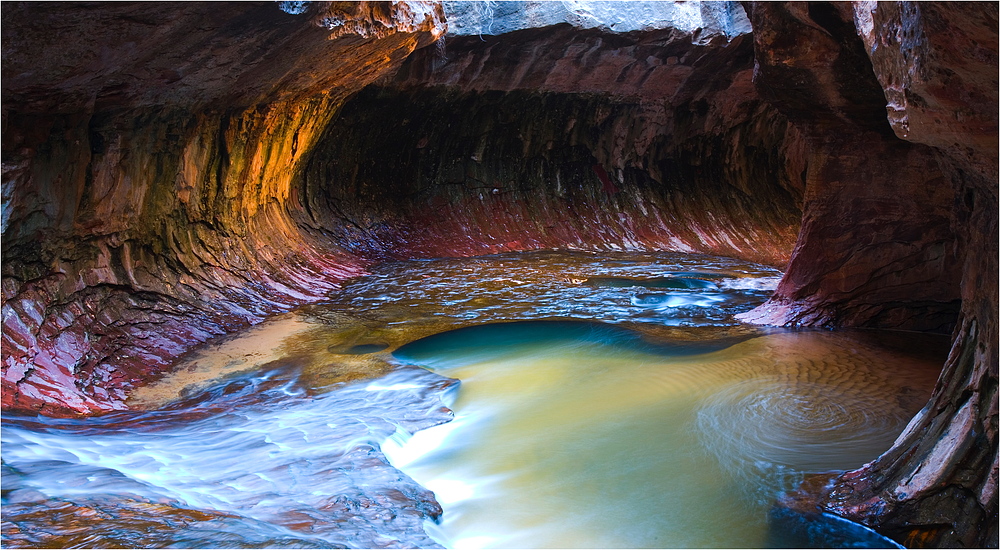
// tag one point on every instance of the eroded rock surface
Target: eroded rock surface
(176, 171)
(936, 65)
(148, 156)
(145, 214)
(877, 247)
(526, 142)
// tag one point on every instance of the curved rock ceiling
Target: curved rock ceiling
(177, 171)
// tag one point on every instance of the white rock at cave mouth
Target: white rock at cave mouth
(494, 18)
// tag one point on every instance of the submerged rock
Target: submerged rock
(257, 460)
(660, 282)
(177, 171)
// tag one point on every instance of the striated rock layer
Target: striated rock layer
(156, 191)
(148, 156)
(900, 216)
(557, 138)
(176, 171)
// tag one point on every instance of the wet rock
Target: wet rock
(175, 172)
(146, 179)
(318, 477)
(931, 70)
(660, 282)
(123, 523)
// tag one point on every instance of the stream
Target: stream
(532, 400)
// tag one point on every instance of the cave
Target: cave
(175, 173)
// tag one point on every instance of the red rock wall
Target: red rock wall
(899, 224)
(440, 161)
(148, 179)
(152, 173)
(937, 63)
(177, 171)
(877, 248)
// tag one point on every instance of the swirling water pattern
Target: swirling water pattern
(617, 445)
(605, 400)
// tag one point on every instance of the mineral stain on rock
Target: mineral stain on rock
(176, 172)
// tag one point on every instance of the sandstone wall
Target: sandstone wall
(899, 228)
(152, 186)
(484, 146)
(148, 157)
(173, 172)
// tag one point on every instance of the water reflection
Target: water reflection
(676, 281)
(562, 439)
(606, 400)
(544, 338)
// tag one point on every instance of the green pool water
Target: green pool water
(602, 400)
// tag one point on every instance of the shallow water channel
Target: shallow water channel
(548, 399)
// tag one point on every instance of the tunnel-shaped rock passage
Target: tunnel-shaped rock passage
(438, 172)
(177, 172)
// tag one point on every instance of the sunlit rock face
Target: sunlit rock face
(152, 196)
(176, 171)
(148, 155)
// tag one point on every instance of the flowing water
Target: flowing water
(593, 400)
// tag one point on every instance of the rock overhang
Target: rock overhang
(74, 158)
